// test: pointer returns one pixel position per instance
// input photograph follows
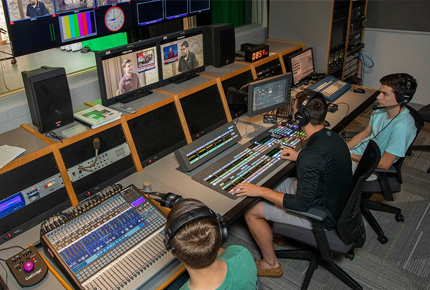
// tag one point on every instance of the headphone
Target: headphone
(190, 216)
(302, 115)
(404, 95)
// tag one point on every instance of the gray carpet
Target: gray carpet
(402, 263)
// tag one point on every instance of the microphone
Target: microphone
(388, 107)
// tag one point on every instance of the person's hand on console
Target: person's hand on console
(289, 154)
(248, 189)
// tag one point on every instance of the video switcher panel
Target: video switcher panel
(253, 161)
(118, 244)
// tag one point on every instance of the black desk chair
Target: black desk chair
(388, 182)
(349, 234)
(425, 115)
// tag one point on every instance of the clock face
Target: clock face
(114, 18)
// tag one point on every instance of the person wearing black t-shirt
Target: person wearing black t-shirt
(324, 181)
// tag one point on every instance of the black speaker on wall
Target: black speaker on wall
(48, 97)
(219, 44)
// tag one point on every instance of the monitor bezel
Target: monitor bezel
(290, 65)
(115, 52)
(178, 36)
(252, 85)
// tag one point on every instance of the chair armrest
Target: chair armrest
(312, 213)
(349, 134)
(391, 170)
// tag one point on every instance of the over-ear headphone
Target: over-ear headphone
(190, 216)
(405, 94)
(302, 115)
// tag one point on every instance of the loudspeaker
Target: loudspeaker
(48, 97)
(219, 44)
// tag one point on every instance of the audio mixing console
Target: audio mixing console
(253, 161)
(114, 245)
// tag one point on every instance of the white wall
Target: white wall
(399, 51)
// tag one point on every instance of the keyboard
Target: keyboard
(331, 88)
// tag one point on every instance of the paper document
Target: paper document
(9, 153)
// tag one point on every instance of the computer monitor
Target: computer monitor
(182, 55)
(301, 65)
(269, 94)
(128, 72)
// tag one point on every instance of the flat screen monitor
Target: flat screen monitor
(301, 65)
(182, 55)
(269, 94)
(128, 72)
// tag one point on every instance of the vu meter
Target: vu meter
(114, 18)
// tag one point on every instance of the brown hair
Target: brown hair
(196, 243)
(316, 106)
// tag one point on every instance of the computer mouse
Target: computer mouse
(326, 123)
(358, 91)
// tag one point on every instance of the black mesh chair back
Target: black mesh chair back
(350, 226)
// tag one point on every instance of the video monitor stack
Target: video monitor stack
(301, 65)
(36, 25)
(269, 94)
(128, 72)
(182, 55)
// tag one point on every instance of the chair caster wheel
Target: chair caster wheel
(350, 255)
(383, 239)
(399, 218)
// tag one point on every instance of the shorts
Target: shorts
(279, 214)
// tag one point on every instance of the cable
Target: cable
(11, 247)
(373, 138)
(363, 57)
(54, 135)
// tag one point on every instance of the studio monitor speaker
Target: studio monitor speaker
(48, 97)
(219, 44)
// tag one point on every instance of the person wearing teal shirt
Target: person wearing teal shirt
(391, 126)
(197, 244)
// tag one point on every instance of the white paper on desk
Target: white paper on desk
(9, 153)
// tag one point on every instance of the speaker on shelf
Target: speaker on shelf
(219, 44)
(48, 97)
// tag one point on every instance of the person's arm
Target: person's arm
(248, 189)
(387, 159)
(195, 62)
(310, 167)
(359, 137)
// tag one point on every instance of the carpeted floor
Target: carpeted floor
(402, 263)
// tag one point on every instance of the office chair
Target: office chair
(388, 182)
(425, 115)
(349, 234)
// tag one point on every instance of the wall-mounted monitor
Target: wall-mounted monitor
(301, 65)
(36, 25)
(155, 11)
(182, 55)
(128, 72)
(269, 94)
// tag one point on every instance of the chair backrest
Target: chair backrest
(419, 124)
(350, 226)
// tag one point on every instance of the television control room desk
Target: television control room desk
(164, 175)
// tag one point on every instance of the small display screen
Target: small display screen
(302, 65)
(137, 202)
(149, 12)
(75, 26)
(269, 94)
(182, 54)
(127, 69)
(11, 204)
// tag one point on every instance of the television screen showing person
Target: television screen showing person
(129, 81)
(188, 59)
(36, 8)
